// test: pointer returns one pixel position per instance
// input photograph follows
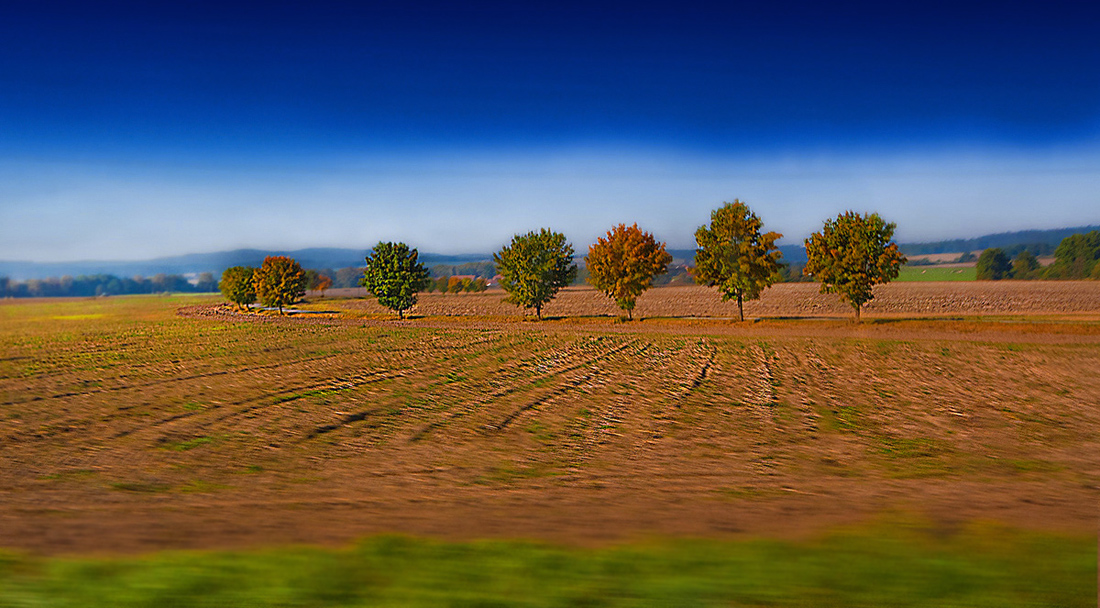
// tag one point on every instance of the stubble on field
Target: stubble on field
(128, 427)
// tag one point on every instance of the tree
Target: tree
(205, 283)
(534, 267)
(1025, 265)
(851, 255)
(318, 282)
(237, 287)
(348, 277)
(993, 265)
(623, 265)
(734, 256)
(394, 275)
(279, 281)
(1076, 256)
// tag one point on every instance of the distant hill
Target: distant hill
(791, 253)
(1040, 241)
(208, 262)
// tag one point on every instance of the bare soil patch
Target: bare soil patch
(790, 300)
(142, 429)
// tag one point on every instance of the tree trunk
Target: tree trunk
(858, 307)
(741, 306)
(630, 314)
(538, 312)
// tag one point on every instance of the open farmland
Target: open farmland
(149, 422)
(939, 273)
(923, 299)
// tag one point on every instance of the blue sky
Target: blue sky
(132, 130)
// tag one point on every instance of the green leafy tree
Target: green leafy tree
(394, 275)
(851, 255)
(623, 264)
(1076, 256)
(280, 281)
(237, 287)
(993, 265)
(1025, 265)
(534, 267)
(735, 256)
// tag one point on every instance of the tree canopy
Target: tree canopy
(623, 264)
(993, 265)
(851, 254)
(394, 275)
(534, 267)
(735, 256)
(1025, 265)
(279, 281)
(237, 287)
(1077, 257)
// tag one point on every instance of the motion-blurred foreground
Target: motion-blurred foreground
(130, 428)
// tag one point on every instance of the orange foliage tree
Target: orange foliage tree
(623, 264)
(279, 282)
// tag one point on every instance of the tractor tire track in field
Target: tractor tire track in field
(295, 393)
(241, 370)
(346, 420)
(280, 397)
(799, 370)
(516, 386)
(762, 397)
(568, 387)
(697, 375)
(824, 374)
(654, 422)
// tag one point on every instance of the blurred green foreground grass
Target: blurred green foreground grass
(881, 566)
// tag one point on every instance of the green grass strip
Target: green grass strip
(986, 566)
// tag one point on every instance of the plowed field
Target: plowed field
(127, 426)
(788, 300)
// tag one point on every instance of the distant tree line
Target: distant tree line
(105, 285)
(457, 284)
(1039, 242)
(1076, 257)
(484, 270)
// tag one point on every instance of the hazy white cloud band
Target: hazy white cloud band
(59, 211)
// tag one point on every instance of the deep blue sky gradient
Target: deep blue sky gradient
(142, 89)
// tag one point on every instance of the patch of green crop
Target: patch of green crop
(884, 565)
(937, 273)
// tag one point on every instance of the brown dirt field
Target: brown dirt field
(128, 427)
(788, 300)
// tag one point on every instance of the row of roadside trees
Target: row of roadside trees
(849, 256)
